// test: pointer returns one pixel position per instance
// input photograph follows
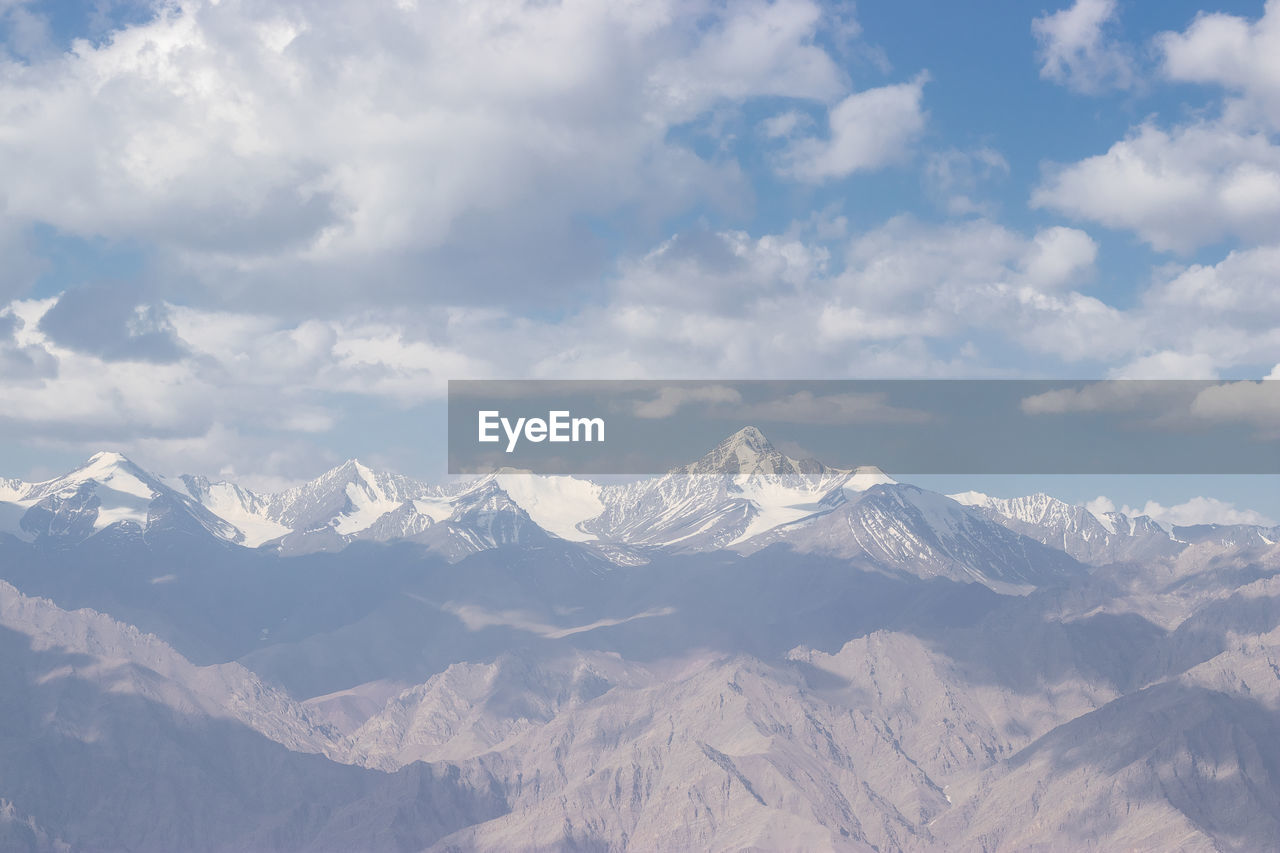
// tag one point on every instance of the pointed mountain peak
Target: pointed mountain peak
(748, 437)
(349, 471)
(866, 476)
(108, 464)
(109, 469)
(747, 452)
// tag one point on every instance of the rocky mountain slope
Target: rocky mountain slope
(750, 652)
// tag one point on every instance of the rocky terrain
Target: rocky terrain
(750, 652)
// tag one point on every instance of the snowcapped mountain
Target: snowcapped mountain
(743, 487)
(236, 505)
(353, 502)
(107, 492)
(478, 517)
(800, 656)
(744, 495)
(908, 529)
(322, 514)
(1091, 538)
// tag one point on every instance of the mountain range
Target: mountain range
(748, 652)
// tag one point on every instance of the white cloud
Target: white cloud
(1077, 51)
(1107, 397)
(908, 279)
(256, 145)
(1059, 256)
(1168, 364)
(1101, 505)
(1213, 178)
(1177, 190)
(1253, 403)
(1201, 321)
(760, 49)
(907, 299)
(1243, 288)
(1199, 510)
(1165, 404)
(867, 130)
(1232, 52)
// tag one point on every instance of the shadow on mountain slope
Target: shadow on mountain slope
(1162, 767)
(108, 770)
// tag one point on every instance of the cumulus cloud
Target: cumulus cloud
(1168, 364)
(1253, 403)
(907, 278)
(703, 303)
(902, 300)
(1177, 190)
(721, 270)
(328, 153)
(1101, 505)
(1232, 52)
(1199, 510)
(866, 130)
(1131, 396)
(1211, 179)
(1058, 257)
(1203, 320)
(1176, 404)
(1077, 50)
(1243, 288)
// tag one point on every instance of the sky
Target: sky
(252, 239)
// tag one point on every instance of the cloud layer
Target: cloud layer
(339, 205)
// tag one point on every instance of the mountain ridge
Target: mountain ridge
(743, 493)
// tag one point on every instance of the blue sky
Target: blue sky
(255, 238)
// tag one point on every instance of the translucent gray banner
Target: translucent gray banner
(900, 426)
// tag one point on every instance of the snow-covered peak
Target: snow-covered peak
(749, 437)
(348, 498)
(747, 453)
(108, 489)
(1038, 508)
(866, 476)
(556, 504)
(352, 469)
(111, 471)
(12, 490)
(108, 457)
(1088, 536)
(972, 498)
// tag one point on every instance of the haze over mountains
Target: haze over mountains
(751, 651)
